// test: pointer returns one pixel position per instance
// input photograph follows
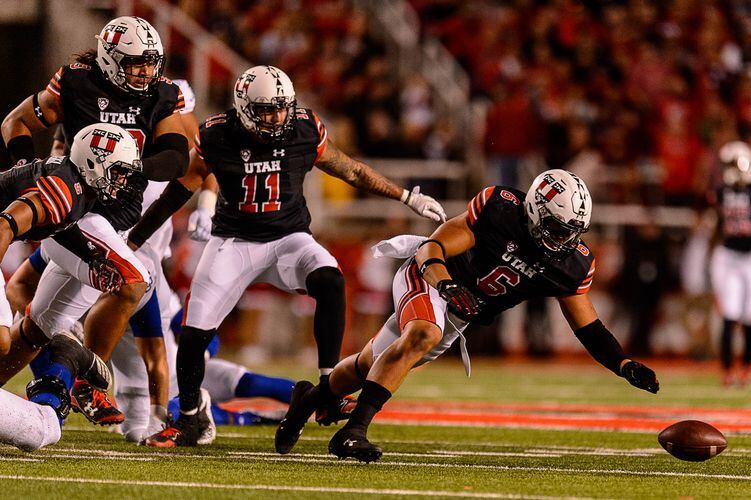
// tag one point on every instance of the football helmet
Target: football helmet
(261, 90)
(106, 155)
(127, 42)
(735, 157)
(559, 209)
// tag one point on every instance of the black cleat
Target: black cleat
(300, 409)
(184, 432)
(348, 444)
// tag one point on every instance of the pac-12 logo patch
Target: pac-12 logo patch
(245, 154)
(103, 102)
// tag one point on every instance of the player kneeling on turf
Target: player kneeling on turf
(505, 249)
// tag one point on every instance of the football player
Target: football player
(730, 266)
(506, 248)
(44, 198)
(260, 152)
(120, 83)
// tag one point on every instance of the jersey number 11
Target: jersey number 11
(254, 202)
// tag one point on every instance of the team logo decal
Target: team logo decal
(241, 87)
(549, 187)
(511, 246)
(113, 33)
(102, 102)
(103, 143)
(78, 188)
(245, 154)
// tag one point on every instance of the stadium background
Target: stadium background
(634, 96)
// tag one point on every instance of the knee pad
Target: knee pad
(325, 282)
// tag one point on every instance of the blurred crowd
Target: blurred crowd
(648, 89)
(339, 68)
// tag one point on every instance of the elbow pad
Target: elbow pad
(168, 158)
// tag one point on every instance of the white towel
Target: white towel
(403, 246)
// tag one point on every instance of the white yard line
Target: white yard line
(274, 487)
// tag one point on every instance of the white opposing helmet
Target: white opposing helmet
(264, 88)
(106, 155)
(559, 209)
(125, 42)
(735, 157)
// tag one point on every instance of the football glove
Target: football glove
(424, 205)
(199, 224)
(640, 376)
(105, 276)
(461, 301)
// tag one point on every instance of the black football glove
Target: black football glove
(104, 275)
(640, 376)
(461, 301)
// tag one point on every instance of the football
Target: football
(692, 440)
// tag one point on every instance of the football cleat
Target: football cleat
(184, 432)
(349, 444)
(94, 404)
(206, 425)
(300, 409)
(335, 411)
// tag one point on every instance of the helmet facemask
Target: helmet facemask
(115, 184)
(556, 238)
(268, 131)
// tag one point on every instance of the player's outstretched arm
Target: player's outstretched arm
(36, 112)
(175, 195)
(356, 173)
(602, 345)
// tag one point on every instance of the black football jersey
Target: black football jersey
(65, 196)
(734, 206)
(505, 267)
(87, 98)
(260, 185)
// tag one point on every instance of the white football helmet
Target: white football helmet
(106, 155)
(265, 89)
(559, 209)
(735, 157)
(126, 42)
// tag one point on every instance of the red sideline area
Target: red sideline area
(541, 415)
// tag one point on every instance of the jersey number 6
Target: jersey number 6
(253, 203)
(493, 283)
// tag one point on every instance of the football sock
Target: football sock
(747, 345)
(255, 385)
(191, 365)
(371, 400)
(726, 344)
(25, 424)
(326, 286)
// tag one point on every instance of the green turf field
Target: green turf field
(429, 461)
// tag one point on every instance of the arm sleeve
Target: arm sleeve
(586, 283)
(168, 159)
(75, 241)
(601, 345)
(476, 206)
(54, 87)
(175, 195)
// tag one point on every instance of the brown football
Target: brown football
(692, 440)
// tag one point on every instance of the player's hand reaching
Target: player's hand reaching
(640, 376)
(461, 301)
(105, 276)
(199, 224)
(424, 205)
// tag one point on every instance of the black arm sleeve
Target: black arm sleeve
(20, 148)
(602, 345)
(174, 196)
(75, 241)
(168, 158)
